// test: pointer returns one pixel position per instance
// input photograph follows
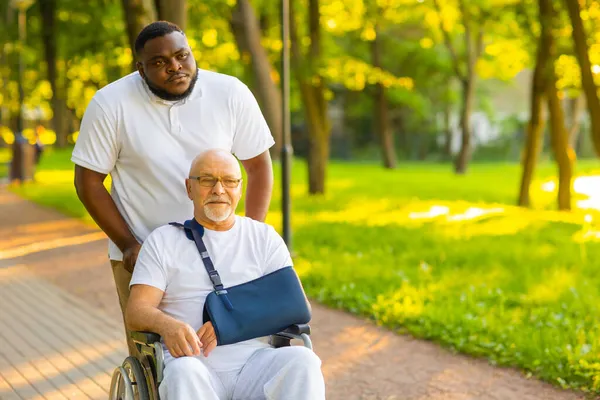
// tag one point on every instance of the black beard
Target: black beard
(165, 95)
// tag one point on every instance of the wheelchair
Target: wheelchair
(138, 377)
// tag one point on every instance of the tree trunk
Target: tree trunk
(587, 79)
(559, 137)
(174, 11)
(576, 106)
(312, 90)
(464, 154)
(380, 111)
(535, 127)
(48, 13)
(563, 153)
(244, 21)
(447, 133)
(138, 14)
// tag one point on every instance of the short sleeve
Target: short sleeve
(277, 255)
(150, 266)
(96, 147)
(251, 132)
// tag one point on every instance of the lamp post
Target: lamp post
(286, 145)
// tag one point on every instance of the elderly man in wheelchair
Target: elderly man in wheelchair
(205, 296)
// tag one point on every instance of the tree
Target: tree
(587, 79)
(49, 37)
(245, 28)
(473, 42)
(380, 114)
(174, 11)
(559, 137)
(138, 14)
(535, 127)
(312, 91)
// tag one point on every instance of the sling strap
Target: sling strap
(214, 276)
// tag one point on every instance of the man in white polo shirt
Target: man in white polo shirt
(144, 130)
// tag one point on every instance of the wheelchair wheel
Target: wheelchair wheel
(129, 382)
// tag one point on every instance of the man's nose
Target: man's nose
(218, 188)
(173, 66)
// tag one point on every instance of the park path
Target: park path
(61, 330)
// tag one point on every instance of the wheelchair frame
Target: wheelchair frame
(138, 378)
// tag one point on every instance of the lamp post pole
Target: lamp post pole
(286, 147)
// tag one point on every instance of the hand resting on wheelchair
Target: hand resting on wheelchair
(204, 287)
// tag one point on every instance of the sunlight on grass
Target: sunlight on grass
(585, 186)
(406, 302)
(553, 287)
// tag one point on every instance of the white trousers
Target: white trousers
(290, 373)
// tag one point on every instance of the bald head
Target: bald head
(213, 160)
(214, 185)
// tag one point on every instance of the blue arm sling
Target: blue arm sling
(261, 307)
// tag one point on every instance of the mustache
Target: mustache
(217, 200)
(173, 77)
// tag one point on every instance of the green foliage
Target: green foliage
(519, 287)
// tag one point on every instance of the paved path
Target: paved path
(58, 297)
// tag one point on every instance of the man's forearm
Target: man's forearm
(147, 318)
(103, 210)
(258, 191)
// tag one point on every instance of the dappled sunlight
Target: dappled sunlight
(434, 211)
(508, 224)
(408, 302)
(454, 280)
(359, 342)
(474, 212)
(30, 233)
(552, 288)
(589, 186)
(584, 186)
(45, 227)
(54, 339)
(54, 176)
(50, 245)
(587, 235)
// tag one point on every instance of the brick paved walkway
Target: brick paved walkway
(60, 329)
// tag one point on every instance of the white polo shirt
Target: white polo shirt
(147, 144)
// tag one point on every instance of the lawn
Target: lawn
(444, 257)
(4, 160)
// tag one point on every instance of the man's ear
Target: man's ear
(140, 68)
(188, 188)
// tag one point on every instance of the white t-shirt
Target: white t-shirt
(147, 144)
(170, 262)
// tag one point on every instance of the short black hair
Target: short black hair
(154, 30)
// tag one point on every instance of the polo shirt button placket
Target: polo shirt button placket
(174, 119)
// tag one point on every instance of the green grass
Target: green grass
(4, 160)
(519, 287)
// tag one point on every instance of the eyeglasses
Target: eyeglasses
(211, 181)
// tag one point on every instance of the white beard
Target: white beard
(217, 214)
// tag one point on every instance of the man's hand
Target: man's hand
(130, 256)
(208, 338)
(181, 339)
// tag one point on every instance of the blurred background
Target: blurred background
(434, 142)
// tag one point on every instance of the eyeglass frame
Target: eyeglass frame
(218, 179)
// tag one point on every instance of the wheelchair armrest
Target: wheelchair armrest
(145, 337)
(297, 329)
(283, 338)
